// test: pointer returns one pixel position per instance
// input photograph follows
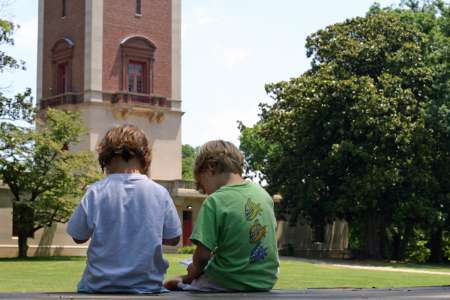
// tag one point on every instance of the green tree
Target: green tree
(43, 177)
(188, 160)
(351, 138)
(433, 19)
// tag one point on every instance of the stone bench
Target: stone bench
(405, 293)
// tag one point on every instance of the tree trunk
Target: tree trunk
(396, 246)
(435, 245)
(23, 218)
(384, 243)
(400, 241)
(23, 243)
(373, 237)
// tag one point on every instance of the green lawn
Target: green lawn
(62, 274)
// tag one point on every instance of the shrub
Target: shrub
(417, 249)
(186, 249)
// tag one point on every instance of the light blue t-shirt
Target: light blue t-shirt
(126, 216)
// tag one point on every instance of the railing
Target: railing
(128, 97)
(61, 99)
(118, 97)
(173, 185)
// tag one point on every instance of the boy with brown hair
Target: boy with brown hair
(127, 217)
(235, 228)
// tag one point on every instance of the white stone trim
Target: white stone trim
(147, 40)
(176, 50)
(40, 52)
(69, 42)
(93, 54)
(44, 246)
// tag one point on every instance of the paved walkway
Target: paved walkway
(390, 269)
(355, 265)
(432, 293)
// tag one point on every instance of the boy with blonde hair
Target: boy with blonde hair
(235, 228)
(127, 217)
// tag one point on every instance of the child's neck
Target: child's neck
(234, 179)
(120, 166)
(227, 179)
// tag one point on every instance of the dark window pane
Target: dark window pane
(64, 8)
(138, 7)
(62, 79)
(136, 77)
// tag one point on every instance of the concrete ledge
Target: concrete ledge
(412, 293)
(44, 250)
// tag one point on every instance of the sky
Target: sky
(230, 50)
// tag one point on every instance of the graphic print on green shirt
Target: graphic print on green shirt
(252, 210)
(257, 231)
(237, 223)
(258, 253)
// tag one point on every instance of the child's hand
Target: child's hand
(193, 272)
(172, 284)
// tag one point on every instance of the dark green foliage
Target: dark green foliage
(364, 135)
(188, 160)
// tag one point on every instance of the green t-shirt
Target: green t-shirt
(237, 223)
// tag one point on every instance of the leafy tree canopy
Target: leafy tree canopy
(364, 134)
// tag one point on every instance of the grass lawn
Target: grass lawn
(62, 274)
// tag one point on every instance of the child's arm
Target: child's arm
(79, 241)
(201, 257)
(172, 226)
(79, 227)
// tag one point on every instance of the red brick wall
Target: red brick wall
(121, 22)
(56, 28)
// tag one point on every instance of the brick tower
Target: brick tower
(116, 62)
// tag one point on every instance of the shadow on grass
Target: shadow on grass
(44, 258)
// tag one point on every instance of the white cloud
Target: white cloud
(197, 19)
(205, 20)
(26, 35)
(217, 122)
(25, 45)
(234, 56)
(215, 126)
(203, 17)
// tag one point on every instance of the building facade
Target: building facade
(115, 62)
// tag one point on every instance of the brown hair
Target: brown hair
(220, 156)
(128, 142)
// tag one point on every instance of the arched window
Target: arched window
(137, 65)
(62, 54)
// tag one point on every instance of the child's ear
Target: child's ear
(211, 170)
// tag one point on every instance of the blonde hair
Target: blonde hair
(220, 156)
(127, 142)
